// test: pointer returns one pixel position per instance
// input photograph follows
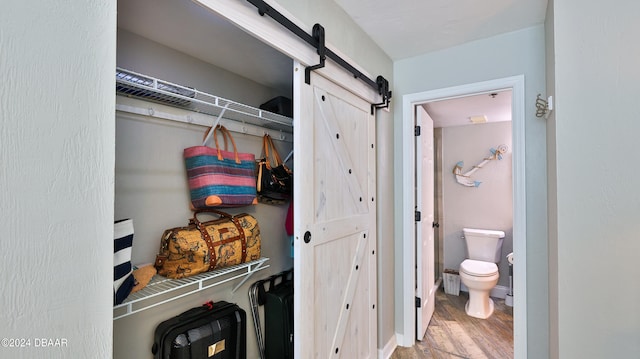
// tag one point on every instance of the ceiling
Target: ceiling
(429, 25)
(424, 26)
(496, 106)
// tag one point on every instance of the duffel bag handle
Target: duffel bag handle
(195, 219)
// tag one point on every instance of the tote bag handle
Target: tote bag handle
(226, 133)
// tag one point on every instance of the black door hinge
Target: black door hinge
(418, 302)
(418, 216)
(416, 131)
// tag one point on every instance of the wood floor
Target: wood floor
(452, 334)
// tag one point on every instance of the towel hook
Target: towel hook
(544, 107)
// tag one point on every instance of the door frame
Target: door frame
(409, 101)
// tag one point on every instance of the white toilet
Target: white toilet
(480, 272)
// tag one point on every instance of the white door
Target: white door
(335, 222)
(425, 274)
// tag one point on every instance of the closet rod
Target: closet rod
(317, 41)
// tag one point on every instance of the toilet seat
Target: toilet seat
(478, 268)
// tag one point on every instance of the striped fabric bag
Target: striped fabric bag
(220, 178)
(123, 280)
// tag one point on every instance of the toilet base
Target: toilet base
(480, 309)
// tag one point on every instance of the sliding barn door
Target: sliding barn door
(335, 200)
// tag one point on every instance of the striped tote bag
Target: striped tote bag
(123, 280)
(220, 178)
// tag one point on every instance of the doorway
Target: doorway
(516, 85)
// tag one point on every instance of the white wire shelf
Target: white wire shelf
(132, 84)
(161, 290)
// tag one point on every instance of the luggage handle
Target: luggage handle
(284, 277)
(197, 310)
(195, 219)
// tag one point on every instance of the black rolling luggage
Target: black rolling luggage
(276, 295)
(214, 330)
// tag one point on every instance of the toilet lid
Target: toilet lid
(478, 268)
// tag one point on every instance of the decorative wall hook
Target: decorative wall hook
(544, 107)
(465, 178)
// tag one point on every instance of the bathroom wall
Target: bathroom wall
(488, 206)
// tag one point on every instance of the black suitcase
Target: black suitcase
(276, 295)
(278, 317)
(214, 330)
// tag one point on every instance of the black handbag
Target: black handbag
(275, 180)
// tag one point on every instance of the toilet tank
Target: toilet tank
(483, 244)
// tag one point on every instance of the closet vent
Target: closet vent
(132, 84)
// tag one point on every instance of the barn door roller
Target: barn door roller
(318, 35)
(381, 85)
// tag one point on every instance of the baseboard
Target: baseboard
(498, 291)
(387, 351)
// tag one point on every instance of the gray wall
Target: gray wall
(552, 187)
(595, 243)
(56, 177)
(488, 206)
(516, 53)
(151, 186)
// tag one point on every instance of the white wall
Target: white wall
(596, 150)
(516, 53)
(488, 206)
(56, 177)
